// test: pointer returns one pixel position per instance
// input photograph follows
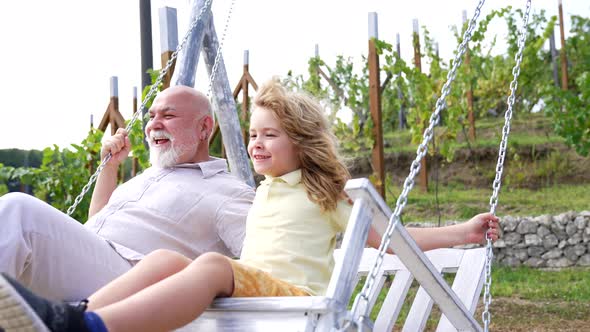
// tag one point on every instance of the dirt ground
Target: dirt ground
(516, 315)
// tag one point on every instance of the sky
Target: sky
(58, 56)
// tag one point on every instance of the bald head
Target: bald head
(189, 97)
(180, 126)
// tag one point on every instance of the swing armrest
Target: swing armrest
(414, 259)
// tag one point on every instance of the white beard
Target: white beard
(164, 158)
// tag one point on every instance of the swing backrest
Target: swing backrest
(467, 265)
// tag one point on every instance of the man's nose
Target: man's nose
(155, 123)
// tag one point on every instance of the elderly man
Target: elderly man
(187, 202)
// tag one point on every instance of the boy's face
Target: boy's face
(270, 149)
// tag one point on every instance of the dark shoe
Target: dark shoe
(21, 310)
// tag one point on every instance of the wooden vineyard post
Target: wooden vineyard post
(112, 116)
(418, 63)
(470, 115)
(243, 86)
(400, 94)
(375, 106)
(562, 52)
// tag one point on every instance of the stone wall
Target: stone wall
(545, 241)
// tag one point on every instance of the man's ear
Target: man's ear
(206, 128)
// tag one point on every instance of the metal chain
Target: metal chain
(415, 166)
(148, 97)
(487, 298)
(218, 55)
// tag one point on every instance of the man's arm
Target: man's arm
(428, 238)
(118, 145)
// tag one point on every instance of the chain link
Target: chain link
(151, 92)
(415, 166)
(218, 55)
(487, 297)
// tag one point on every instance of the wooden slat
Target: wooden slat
(472, 268)
(447, 260)
(468, 283)
(408, 251)
(419, 312)
(394, 301)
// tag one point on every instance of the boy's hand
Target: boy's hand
(477, 227)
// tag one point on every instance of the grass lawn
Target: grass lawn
(461, 204)
(525, 299)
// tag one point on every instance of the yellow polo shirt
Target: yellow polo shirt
(289, 237)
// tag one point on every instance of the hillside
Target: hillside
(536, 157)
(541, 174)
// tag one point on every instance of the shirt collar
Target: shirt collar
(292, 178)
(209, 168)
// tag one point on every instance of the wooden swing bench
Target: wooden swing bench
(353, 260)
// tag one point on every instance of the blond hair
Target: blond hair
(323, 173)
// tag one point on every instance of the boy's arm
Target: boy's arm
(428, 238)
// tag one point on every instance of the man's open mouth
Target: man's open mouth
(160, 141)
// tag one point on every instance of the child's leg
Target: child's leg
(156, 266)
(174, 301)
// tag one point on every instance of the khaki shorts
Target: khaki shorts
(252, 282)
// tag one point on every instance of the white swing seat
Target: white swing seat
(468, 265)
(331, 313)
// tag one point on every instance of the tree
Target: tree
(569, 109)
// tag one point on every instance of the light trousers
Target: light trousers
(51, 253)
